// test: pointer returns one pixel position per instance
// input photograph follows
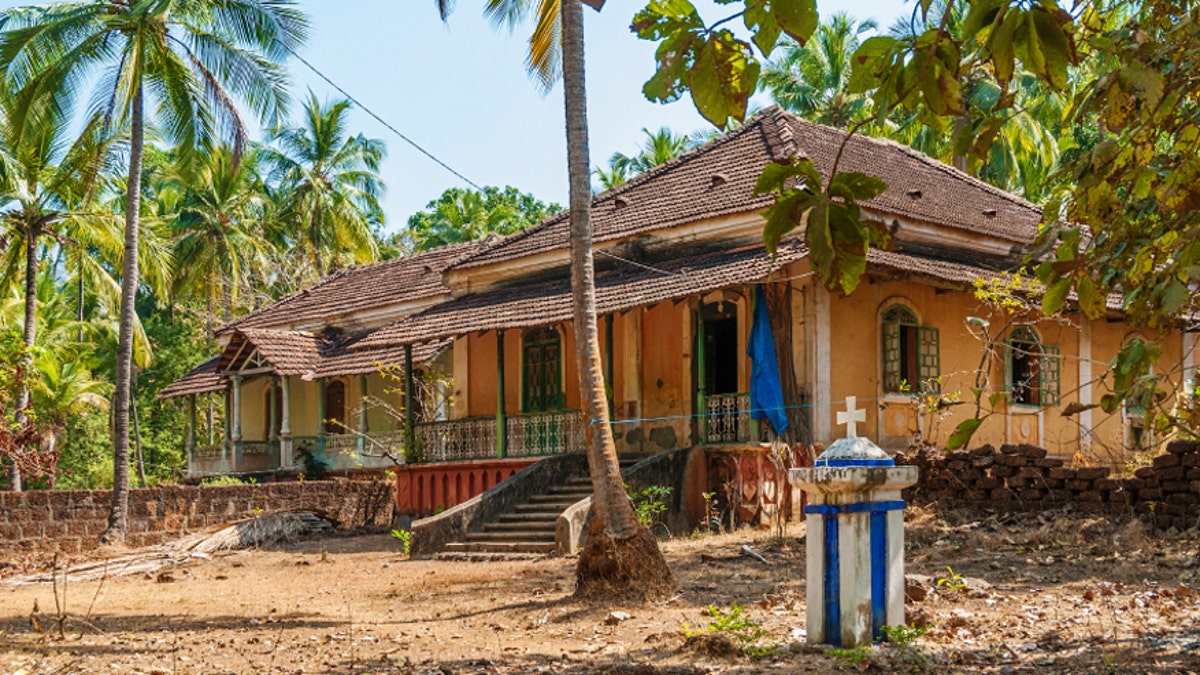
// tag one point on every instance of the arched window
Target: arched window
(911, 352)
(1032, 369)
(541, 370)
(335, 407)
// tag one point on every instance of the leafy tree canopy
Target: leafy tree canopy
(463, 215)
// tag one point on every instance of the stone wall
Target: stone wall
(72, 520)
(1021, 476)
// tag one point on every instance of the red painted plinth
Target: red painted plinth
(425, 489)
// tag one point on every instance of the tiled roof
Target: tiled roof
(200, 380)
(294, 353)
(718, 179)
(616, 290)
(919, 186)
(363, 287)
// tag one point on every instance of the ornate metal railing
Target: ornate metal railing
(388, 445)
(335, 443)
(455, 440)
(545, 433)
(727, 418)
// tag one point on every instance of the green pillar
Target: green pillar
(190, 441)
(701, 403)
(501, 412)
(753, 422)
(410, 414)
(321, 417)
(609, 386)
(362, 413)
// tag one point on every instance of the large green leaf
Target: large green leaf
(963, 433)
(797, 18)
(1056, 295)
(759, 19)
(722, 79)
(853, 185)
(1092, 299)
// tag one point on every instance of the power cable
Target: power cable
(379, 119)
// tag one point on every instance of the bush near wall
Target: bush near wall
(72, 520)
(1166, 493)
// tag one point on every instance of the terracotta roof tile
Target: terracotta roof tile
(200, 380)
(363, 287)
(616, 290)
(683, 190)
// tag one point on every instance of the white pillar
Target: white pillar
(1085, 385)
(235, 434)
(822, 362)
(285, 425)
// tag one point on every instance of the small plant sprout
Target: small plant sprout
(405, 539)
(953, 581)
(734, 623)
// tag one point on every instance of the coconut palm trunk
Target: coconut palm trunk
(118, 518)
(621, 557)
(30, 334)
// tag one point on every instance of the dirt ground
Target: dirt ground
(1045, 593)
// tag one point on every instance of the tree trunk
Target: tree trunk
(118, 519)
(621, 558)
(316, 240)
(31, 235)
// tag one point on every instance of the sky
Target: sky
(460, 90)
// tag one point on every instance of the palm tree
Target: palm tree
(659, 147)
(330, 182)
(41, 175)
(217, 247)
(811, 80)
(189, 59)
(620, 556)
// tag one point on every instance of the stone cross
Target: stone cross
(851, 417)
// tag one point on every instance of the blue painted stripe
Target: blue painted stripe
(857, 507)
(878, 573)
(833, 605)
(855, 462)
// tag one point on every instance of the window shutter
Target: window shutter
(930, 366)
(891, 356)
(1050, 360)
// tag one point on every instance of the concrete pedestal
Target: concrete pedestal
(855, 542)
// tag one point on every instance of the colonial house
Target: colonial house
(322, 375)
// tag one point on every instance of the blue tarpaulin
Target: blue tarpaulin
(766, 391)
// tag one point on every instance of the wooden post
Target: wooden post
(362, 413)
(753, 422)
(701, 401)
(236, 433)
(190, 440)
(321, 417)
(410, 413)
(285, 425)
(501, 412)
(609, 387)
(227, 441)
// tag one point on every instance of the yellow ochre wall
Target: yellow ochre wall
(856, 370)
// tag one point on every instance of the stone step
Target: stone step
(538, 536)
(579, 492)
(565, 500)
(496, 547)
(534, 517)
(485, 556)
(544, 510)
(543, 525)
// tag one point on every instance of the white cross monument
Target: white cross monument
(855, 537)
(851, 417)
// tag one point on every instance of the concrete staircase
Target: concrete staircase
(528, 529)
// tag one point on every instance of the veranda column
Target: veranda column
(236, 433)
(410, 414)
(362, 413)
(321, 417)
(227, 441)
(501, 412)
(273, 416)
(701, 398)
(285, 425)
(608, 363)
(190, 440)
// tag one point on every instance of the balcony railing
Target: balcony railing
(550, 433)
(457, 440)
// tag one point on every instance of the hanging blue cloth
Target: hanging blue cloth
(766, 391)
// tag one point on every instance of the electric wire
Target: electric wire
(379, 119)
